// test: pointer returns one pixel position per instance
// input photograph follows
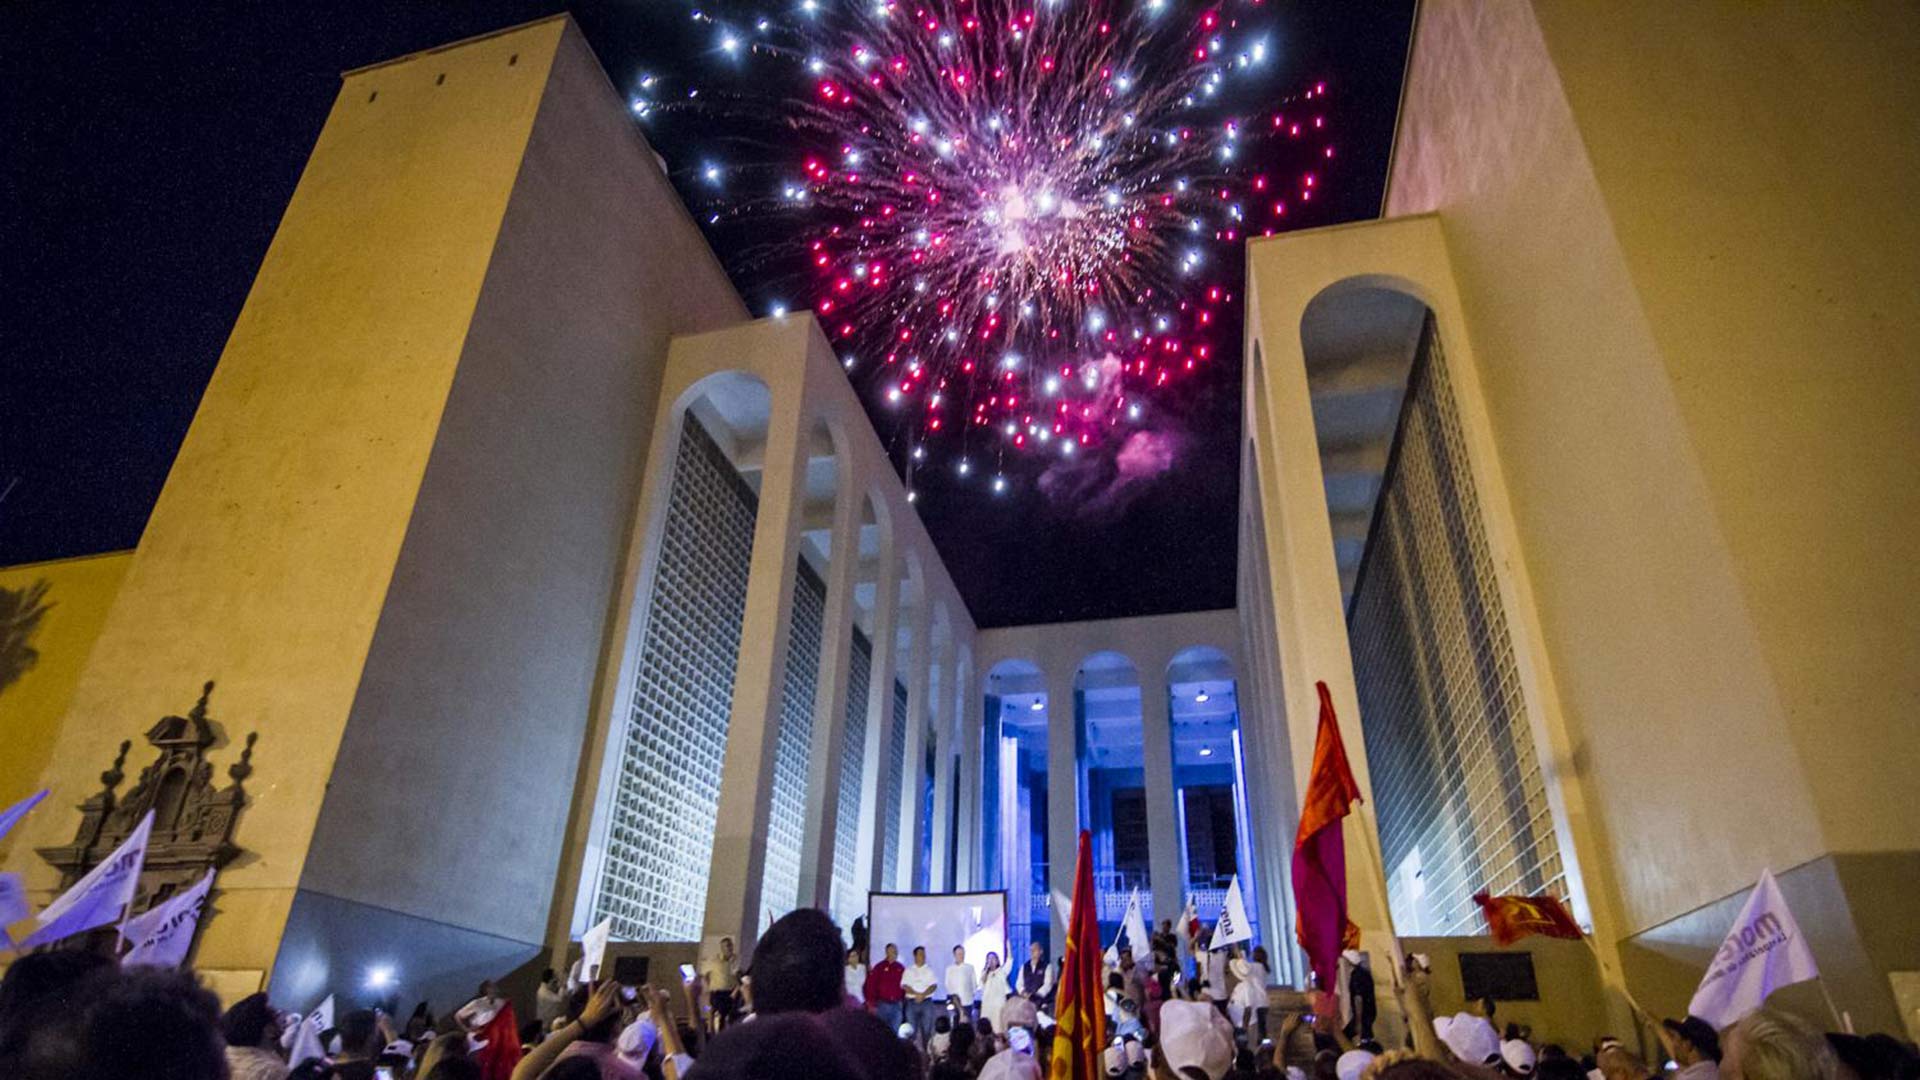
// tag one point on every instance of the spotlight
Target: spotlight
(1037, 705)
(1206, 751)
(380, 977)
(1201, 697)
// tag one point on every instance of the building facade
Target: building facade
(560, 590)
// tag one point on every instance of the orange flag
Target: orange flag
(1081, 1038)
(1320, 850)
(1511, 918)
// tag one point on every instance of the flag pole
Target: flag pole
(1844, 1023)
(1600, 962)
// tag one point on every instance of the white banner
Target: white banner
(593, 949)
(305, 1043)
(1762, 953)
(160, 937)
(12, 814)
(1133, 931)
(1233, 925)
(99, 898)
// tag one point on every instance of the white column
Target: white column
(830, 703)
(943, 793)
(746, 775)
(873, 781)
(913, 765)
(1163, 822)
(967, 716)
(1063, 798)
(1304, 583)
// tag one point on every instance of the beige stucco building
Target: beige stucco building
(560, 590)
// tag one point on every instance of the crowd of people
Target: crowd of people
(810, 1008)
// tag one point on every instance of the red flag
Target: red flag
(1080, 1040)
(1320, 849)
(1514, 917)
(502, 1052)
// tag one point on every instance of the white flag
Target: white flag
(1762, 953)
(305, 1045)
(12, 814)
(161, 936)
(13, 905)
(1133, 931)
(99, 898)
(593, 949)
(1233, 925)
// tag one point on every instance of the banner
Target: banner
(1762, 953)
(305, 1044)
(1080, 1035)
(1511, 918)
(1133, 931)
(593, 949)
(1320, 851)
(12, 814)
(1234, 925)
(99, 898)
(13, 905)
(161, 936)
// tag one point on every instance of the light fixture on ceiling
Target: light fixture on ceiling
(1201, 697)
(1206, 751)
(1037, 705)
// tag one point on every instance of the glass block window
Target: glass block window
(1462, 803)
(849, 899)
(896, 779)
(793, 747)
(659, 840)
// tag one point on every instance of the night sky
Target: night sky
(151, 149)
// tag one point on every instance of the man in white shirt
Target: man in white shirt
(1213, 966)
(918, 983)
(963, 986)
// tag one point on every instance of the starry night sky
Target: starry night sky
(151, 149)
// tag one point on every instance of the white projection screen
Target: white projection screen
(939, 921)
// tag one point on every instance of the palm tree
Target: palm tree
(20, 613)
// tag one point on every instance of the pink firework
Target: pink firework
(1023, 220)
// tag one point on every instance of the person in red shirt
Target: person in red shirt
(884, 995)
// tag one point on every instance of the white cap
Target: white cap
(636, 1041)
(1471, 1038)
(1136, 1052)
(1193, 1034)
(1519, 1055)
(1352, 1064)
(1116, 1059)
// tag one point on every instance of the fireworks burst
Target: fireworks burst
(1021, 222)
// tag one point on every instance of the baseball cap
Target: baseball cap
(1352, 1064)
(1471, 1038)
(1193, 1034)
(1519, 1056)
(1010, 1064)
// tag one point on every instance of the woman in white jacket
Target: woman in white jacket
(994, 991)
(1247, 1007)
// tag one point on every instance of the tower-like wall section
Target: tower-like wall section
(473, 708)
(1682, 243)
(268, 556)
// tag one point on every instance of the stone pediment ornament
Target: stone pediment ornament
(193, 821)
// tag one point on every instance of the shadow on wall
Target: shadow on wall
(21, 612)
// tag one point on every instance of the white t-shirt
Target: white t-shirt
(856, 976)
(962, 982)
(1216, 975)
(918, 979)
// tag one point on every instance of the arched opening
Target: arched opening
(1209, 781)
(1113, 795)
(1443, 713)
(648, 870)
(1014, 767)
(800, 681)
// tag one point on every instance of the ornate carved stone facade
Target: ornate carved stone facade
(193, 821)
